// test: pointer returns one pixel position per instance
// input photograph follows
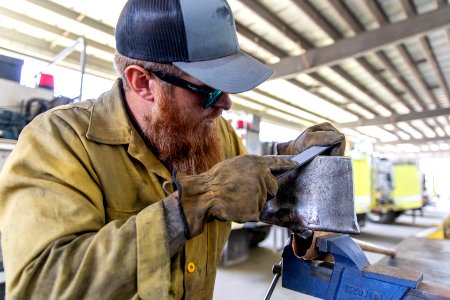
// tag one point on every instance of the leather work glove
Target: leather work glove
(307, 248)
(233, 190)
(318, 135)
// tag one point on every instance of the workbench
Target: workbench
(428, 256)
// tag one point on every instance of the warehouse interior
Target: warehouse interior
(378, 70)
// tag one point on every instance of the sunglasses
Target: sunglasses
(211, 95)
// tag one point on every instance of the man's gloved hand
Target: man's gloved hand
(318, 135)
(233, 190)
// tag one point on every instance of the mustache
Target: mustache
(217, 112)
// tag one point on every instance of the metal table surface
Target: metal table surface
(428, 256)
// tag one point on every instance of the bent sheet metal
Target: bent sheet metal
(314, 196)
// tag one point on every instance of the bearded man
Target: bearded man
(131, 195)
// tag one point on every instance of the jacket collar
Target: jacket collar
(110, 124)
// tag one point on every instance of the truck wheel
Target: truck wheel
(383, 218)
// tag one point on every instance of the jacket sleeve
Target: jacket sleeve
(56, 243)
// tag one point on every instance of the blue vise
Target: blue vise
(351, 276)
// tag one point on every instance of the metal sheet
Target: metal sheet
(317, 196)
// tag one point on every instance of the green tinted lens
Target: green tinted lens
(212, 98)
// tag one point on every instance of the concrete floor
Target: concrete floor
(251, 279)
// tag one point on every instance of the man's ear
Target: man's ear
(140, 82)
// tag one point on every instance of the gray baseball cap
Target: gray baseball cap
(197, 36)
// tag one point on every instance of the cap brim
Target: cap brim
(235, 73)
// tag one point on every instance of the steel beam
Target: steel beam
(416, 128)
(263, 43)
(349, 18)
(420, 141)
(276, 120)
(238, 107)
(376, 74)
(264, 13)
(426, 48)
(419, 78)
(344, 74)
(434, 126)
(266, 107)
(377, 12)
(389, 66)
(369, 41)
(271, 96)
(53, 29)
(318, 19)
(314, 90)
(400, 129)
(68, 13)
(408, 8)
(343, 93)
(397, 118)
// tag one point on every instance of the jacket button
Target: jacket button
(190, 267)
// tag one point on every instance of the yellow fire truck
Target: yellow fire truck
(397, 189)
(362, 185)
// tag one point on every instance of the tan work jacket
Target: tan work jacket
(81, 216)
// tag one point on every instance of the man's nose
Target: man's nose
(224, 102)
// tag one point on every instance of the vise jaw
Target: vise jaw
(351, 276)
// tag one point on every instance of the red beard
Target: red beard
(186, 147)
